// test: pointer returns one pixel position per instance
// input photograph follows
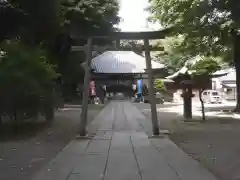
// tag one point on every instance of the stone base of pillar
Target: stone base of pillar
(83, 137)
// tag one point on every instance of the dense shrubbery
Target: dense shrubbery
(43, 30)
(26, 82)
(159, 86)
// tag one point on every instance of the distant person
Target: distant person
(92, 93)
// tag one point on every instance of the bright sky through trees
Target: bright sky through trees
(134, 17)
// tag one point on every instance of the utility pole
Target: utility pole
(155, 125)
(84, 113)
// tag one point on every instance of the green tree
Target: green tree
(26, 81)
(33, 21)
(98, 16)
(81, 17)
(46, 20)
(135, 45)
(207, 27)
(159, 86)
(50, 24)
(172, 57)
(201, 74)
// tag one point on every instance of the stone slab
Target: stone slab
(121, 150)
(151, 163)
(98, 146)
(152, 166)
(90, 167)
(121, 140)
(133, 122)
(60, 167)
(122, 166)
(186, 167)
(106, 113)
(144, 123)
(103, 135)
(76, 147)
(121, 161)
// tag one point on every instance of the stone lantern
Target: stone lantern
(187, 98)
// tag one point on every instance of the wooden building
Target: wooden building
(121, 67)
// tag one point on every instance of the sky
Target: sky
(134, 17)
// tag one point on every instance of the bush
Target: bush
(159, 86)
(26, 81)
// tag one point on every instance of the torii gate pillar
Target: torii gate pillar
(151, 94)
(87, 68)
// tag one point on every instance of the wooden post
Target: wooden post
(187, 99)
(117, 45)
(84, 113)
(155, 125)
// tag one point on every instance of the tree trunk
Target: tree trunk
(1, 121)
(202, 104)
(237, 109)
(16, 123)
(237, 68)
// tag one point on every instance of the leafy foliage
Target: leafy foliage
(206, 26)
(84, 17)
(134, 44)
(201, 75)
(49, 24)
(209, 28)
(26, 79)
(207, 66)
(173, 57)
(35, 20)
(159, 85)
(202, 71)
(96, 16)
(26, 71)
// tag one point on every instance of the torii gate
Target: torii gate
(117, 36)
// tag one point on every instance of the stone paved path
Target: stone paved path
(121, 150)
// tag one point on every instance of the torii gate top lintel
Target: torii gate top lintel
(150, 35)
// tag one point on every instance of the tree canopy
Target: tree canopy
(39, 33)
(172, 57)
(26, 79)
(209, 28)
(92, 15)
(203, 69)
(159, 85)
(206, 26)
(202, 72)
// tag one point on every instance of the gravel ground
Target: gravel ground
(215, 143)
(20, 159)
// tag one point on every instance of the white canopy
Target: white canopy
(121, 62)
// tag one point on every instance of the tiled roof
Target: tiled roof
(121, 62)
(231, 76)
